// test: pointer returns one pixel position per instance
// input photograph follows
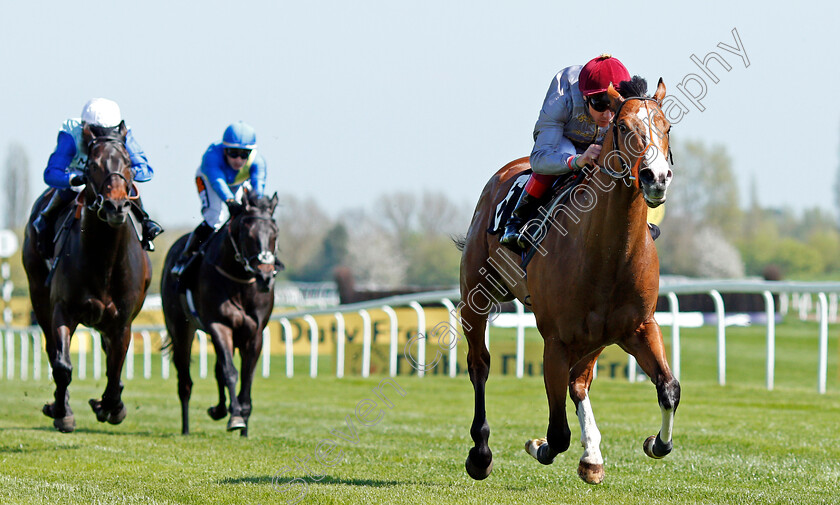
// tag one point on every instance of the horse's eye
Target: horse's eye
(623, 128)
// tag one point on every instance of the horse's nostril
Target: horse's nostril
(646, 176)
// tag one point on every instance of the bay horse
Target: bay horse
(229, 295)
(99, 279)
(594, 282)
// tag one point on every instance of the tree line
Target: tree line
(405, 239)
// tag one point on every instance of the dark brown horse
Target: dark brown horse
(593, 282)
(100, 276)
(230, 295)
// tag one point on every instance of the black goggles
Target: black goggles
(599, 103)
(238, 153)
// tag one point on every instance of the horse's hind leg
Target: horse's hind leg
(58, 347)
(479, 462)
(591, 467)
(181, 338)
(111, 407)
(556, 377)
(646, 346)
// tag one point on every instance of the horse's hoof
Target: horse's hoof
(117, 417)
(538, 449)
(49, 410)
(655, 448)
(96, 406)
(591, 473)
(477, 472)
(216, 413)
(236, 423)
(66, 424)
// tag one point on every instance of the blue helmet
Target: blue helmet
(240, 135)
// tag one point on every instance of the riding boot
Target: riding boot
(151, 229)
(197, 237)
(45, 222)
(512, 238)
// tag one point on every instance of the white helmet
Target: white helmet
(101, 112)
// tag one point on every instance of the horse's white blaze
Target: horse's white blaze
(667, 425)
(265, 257)
(655, 157)
(590, 437)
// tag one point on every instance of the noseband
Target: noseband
(626, 171)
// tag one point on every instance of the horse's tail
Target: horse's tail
(460, 241)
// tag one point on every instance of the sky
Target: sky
(353, 100)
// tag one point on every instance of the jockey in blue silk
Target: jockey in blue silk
(66, 166)
(227, 169)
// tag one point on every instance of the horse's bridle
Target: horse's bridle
(96, 205)
(264, 257)
(626, 171)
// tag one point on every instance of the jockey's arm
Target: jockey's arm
(552, 150)
(258, 174)
(56, 175)
(553, 153)
(140, 168)
(211, 167)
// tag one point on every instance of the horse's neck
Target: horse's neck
(222, 253)
(617, 222)
(100, 243)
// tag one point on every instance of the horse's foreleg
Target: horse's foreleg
(591, 467)
(220, 410)
(111, 407)
(479, 462)
(223, 342)
(58, 347)
(556, 376)
(646, 346)
(250, 355)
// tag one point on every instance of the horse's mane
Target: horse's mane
(637, 86)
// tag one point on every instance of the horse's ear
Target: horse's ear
(615, 97)
(274, 200)
(87, 134)
(123, 129)
(660, 91)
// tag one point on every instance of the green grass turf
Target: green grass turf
(733, 444)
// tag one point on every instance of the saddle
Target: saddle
(557, 195)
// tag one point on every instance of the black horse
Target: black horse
(229, 294)
(99, 277)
